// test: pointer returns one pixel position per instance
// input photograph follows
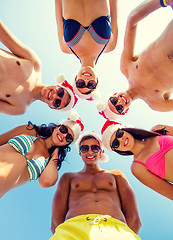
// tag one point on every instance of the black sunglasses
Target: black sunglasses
(85, 148)
(81, 84)
(119, 107)
(64, 130)
(60, 94)
(116, 143)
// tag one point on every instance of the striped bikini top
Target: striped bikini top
(22, 144)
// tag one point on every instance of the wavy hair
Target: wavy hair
(46, 131)
(140, 134)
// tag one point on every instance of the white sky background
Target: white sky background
(25, 212)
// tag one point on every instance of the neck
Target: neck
(48, 142)
(132, 93)
(91, 168)
(37, 92)
(88, 61)
(138, 148)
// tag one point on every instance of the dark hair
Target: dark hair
(46, 131)
(141, 134)
(86, 138)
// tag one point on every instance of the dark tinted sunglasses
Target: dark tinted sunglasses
(116, 142)
(85, 148)
(119, 107)
(64, 130)
(57, 102)
(81, 84)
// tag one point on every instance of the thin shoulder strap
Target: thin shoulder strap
(139, 162)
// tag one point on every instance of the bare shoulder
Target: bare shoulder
(118, 173)
(67, 176)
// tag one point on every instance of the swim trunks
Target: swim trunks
(94, 227)
(22, 144)
(99, 30)
(156, 162)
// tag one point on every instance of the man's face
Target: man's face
(86, 80)
(56, 97)
(119, 102)
(90, 151)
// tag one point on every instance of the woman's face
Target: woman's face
(124, 143)
(86, 80)
(62, 136)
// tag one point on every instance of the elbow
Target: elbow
(48, 182)
(52, 228)
(138, 224)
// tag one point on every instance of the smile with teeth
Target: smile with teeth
(86, 74)
(90, 157)
(49, 95)
(60, 138)
(124, 99)
(126, 142)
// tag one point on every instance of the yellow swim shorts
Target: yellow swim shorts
(94, 227)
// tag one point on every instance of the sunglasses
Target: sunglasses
(85, 148)
(64, 130)
(116, 142)
(81, 84)
(57, 102)
(119, 107)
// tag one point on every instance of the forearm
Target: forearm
(142, 11)
(55, 223)
(134, 223)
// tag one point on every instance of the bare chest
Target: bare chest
(152, 79)
(89, 183)
(17, 79)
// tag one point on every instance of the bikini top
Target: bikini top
(22, 144)
(156, 162)
(99, 30)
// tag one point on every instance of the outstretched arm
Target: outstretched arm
(128, 202)
(5, 137)
(60, 201)
(114, 26)
(18, 48)
(152, 181)
(59, 21)
(140, 12)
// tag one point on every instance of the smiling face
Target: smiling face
(119, 102)
(59, 138)
(90, 157)
(126, 142)
(56, 97)
(86, 77)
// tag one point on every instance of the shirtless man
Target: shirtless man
(150, 74)
(20, 79)
(94, 203)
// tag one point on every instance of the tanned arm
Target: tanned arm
(60, 201)
(18, 48)
(128, 202)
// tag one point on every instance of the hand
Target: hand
(55, 155)
(169, 3)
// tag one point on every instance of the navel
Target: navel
(8, 95)
(18, 63)
(156, 91)
(111, 184)
(136, 66)
(77, 185)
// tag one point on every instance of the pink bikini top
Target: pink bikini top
(156, 162)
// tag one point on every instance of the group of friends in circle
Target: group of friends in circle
(94, 197)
